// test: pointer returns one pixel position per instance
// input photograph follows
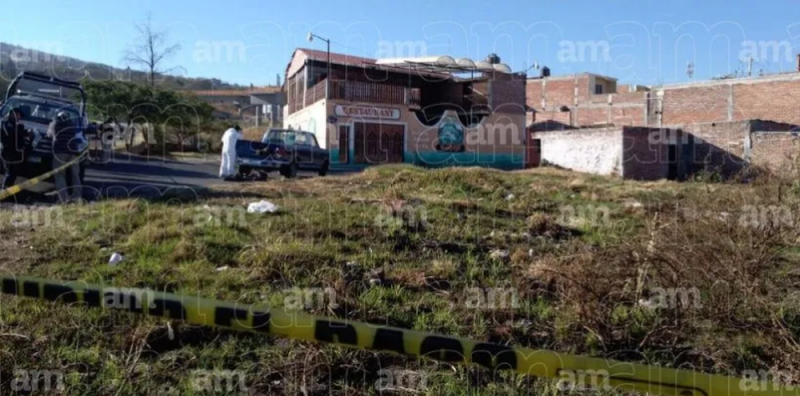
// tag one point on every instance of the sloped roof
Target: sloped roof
(239, 92)
(355, 61)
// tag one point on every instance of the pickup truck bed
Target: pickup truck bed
(274, 155)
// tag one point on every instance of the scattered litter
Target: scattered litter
(225, 268)
(510, 197)
(634, 204)
(115, 259)
(170, 332)
(351, 264)
(530, 252)
(498, 254)
(644, 303)
(262, 207)
(206, 207)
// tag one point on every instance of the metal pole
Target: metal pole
(328, 84)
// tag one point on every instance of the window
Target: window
(598, 89)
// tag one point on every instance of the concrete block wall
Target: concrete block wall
(596, 150)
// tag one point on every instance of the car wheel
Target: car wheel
(289, 171)
(324, 169)
(245, 171)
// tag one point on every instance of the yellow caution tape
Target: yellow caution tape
(598, 372)
(14, 190)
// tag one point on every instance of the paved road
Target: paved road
(136, 176)
(141, 176)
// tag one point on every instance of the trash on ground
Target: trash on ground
(498, 254)
(115, 259)
(224, 268)
(262, 207)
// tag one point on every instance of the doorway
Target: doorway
(379, 143)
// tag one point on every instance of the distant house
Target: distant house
(259, 104)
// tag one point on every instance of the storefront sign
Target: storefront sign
(367, 112)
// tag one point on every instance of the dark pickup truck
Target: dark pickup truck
(282, 150)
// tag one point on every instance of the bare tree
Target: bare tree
(150, 50)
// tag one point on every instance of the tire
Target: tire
(245, 171)
(289, 171)
(324, 169)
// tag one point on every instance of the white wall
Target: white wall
(596, 151)
(313, 118)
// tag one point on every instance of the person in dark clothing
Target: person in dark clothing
(14, 140)
(67, 144)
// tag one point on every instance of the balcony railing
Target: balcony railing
(357, 91)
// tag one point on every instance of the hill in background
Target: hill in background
(16, 59)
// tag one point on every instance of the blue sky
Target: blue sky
(250, 41)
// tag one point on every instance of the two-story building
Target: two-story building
(435, 111)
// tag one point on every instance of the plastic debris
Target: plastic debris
(262, 207)
(498, 254)
(225, 268)
(115, 259)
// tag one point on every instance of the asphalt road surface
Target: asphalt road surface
(136, 176)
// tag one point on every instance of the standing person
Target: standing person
(67, 145)
(14, 138)
(227, 166)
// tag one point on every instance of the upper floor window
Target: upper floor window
(598, 89)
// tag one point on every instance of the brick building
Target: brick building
(738, 117)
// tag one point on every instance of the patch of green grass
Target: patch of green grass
(430, 250)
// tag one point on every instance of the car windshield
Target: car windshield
(38, 111)
(49, 90)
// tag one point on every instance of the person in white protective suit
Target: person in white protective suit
(227, 166)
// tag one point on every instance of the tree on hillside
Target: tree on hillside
(151, 50)
(176, 114)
